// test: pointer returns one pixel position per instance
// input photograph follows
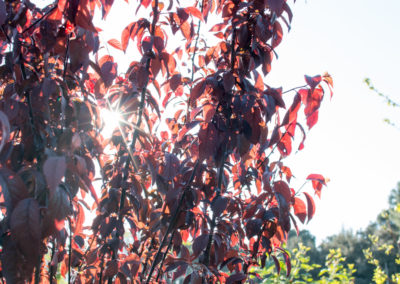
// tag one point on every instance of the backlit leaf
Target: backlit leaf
(310, 206)
(115, 43)
(218, 205)
(111, 268)
(54, 170)
(25, 227)
(199, 244)
(300, 209)
(234, 278)
(313, 81)
(194, 12)
(208, 140)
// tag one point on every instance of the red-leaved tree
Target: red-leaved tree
(192, 183)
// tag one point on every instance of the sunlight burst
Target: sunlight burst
(111, 121)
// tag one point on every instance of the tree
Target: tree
(202, 198)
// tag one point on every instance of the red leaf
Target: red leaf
(285, 145)
(197, 91)
(107, 4)
(277, 264)
(317, 177)
(310, 206)
(13, 188)
(229, 81)
(126, 34)
(194, 12)
(185, 28)
(145, 3)
(54, 170)
(317, 182)
(253, 118)
(312, 119)
(301, 146)
(171, 166)
(146, 44)
(275, 136)
(108, 69)
(291, 114)
(300, 209)
(312, 101)
(175, 81)
(236, 278)
(199, 244)
(278, 34)
(276, 6)
(218, 205)
(288, 263)
(25, 228)
(208, 112)
(115, 43)
(328, 80)
(313, 81)
(111, 268)
(208, 140)
(277, 95)
(282, 188)
(83, 16)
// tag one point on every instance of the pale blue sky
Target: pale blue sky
(351, 145)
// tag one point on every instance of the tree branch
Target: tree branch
(40, 19)
(171, 223)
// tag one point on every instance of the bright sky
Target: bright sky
(350, 144)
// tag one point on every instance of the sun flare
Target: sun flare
(112, 120)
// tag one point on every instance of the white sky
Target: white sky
(350, 144)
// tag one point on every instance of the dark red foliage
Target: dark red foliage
(191, 185)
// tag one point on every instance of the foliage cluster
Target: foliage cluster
(334, 269)
(215, 177)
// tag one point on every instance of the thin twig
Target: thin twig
(4, 32)
(66, 57)
(172, 223)
(293, 89)
(165, 255)
(40, 19)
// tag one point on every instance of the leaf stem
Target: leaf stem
(293, 89)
